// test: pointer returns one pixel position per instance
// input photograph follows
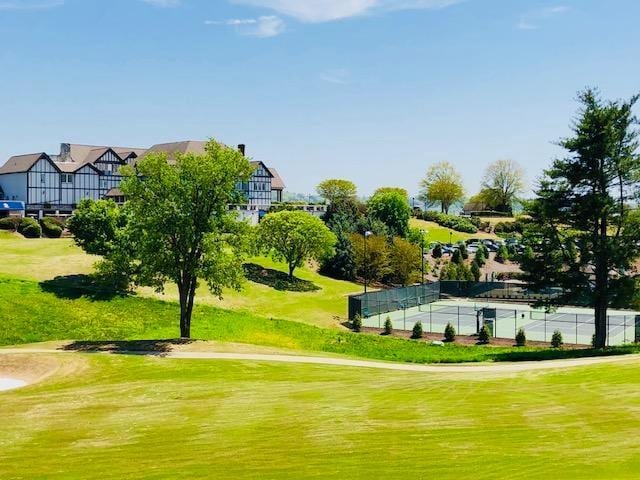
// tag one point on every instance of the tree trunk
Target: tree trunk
(186, 289)
(291, 269)
(601, 300)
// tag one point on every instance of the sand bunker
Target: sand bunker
(11, 383)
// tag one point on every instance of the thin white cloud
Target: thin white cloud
(338, 76)
(315, 11)
(532, 20)
(163, 3)
(263, 27)
(30, 4)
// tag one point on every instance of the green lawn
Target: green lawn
(44, 259)
(115, 417)
(437, 233)
(34, 312)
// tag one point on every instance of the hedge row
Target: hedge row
(454, 222)
(30, 228)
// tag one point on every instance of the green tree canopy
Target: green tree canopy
(336, 189)
(502, 183)
(391, 207)
(180, 221)
(583, 231)
(295, 237)
(95, 225)
(442, 185)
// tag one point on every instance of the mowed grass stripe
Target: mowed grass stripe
(131, 417)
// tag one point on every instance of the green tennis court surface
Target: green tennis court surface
(576, 324)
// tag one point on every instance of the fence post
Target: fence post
(458, 319)
(625, 329)
(515, 323)
(379, 312)
(608, 331)
(545, 326)
(576, 328)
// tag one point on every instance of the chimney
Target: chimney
(242, 148)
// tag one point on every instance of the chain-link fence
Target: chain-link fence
(408, 305)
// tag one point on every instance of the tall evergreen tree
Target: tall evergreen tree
(584, 233)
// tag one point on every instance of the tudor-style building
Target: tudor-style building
(57, 183)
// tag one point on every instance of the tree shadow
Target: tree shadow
(94, 287)
(564, 354)
(277, 280)
(127, 347)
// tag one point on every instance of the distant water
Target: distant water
(10, 383)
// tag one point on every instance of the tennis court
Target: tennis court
(504, 319)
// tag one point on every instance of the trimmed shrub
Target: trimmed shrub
(437, 251)
(449, 333)
(556, 339)
(484, 336)
(30, 228)
(417, 331)
(521, 338)
(481, 257)
(502, 255)
(356, 324)
(388, 326)
(10, 223)
(51, 227)
(456, 257)
(475, 271)
(463, 251)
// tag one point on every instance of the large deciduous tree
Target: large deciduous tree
(181, 224)
(584, 232)
(391, 207)
(95, 225)
(502, 183)
(336, 189)
(295, 237)
(442, 185)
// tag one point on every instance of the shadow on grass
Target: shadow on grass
(129, 347)
(277, 280)
(562, 354)
(93, 287)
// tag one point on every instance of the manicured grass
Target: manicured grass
(115, 417)
(437, 233)
(44, 259)
(32, 315)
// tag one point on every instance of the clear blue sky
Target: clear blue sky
(370, 90)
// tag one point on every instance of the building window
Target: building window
(67, 178)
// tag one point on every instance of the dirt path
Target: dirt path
(405, 367)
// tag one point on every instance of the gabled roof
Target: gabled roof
(276, 183)
(97, 153)
(173, 148)
(22, 163)
(72, 167)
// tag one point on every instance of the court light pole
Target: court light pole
(367, 234)
(422, 232)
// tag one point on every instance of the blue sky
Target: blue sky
(370, 90)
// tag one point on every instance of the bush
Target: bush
(456, 257)
(463, 251)
(51, 227)
(475, 271)
(449, 333)
(437, 251)
(417, 331)
(502, 255)
(556, 339)
(388, 326)
(356, 324)
(30, 228)
(484, 336)
(10, 223)
(480, 257)
(521, 338)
